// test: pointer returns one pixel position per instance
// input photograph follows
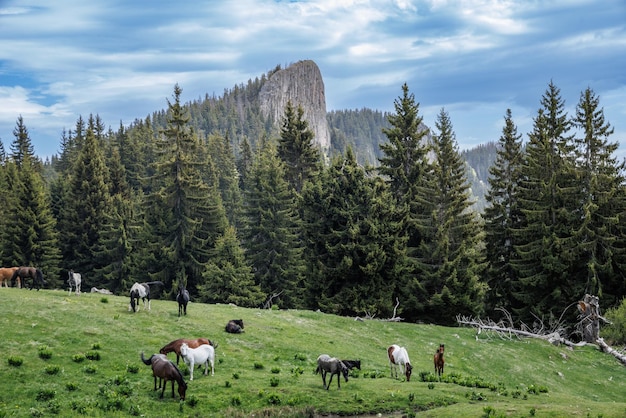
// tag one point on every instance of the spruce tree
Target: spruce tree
(601, 188)
(355, 249)
(548, 200)
(296, 149)
(273, 244)
(451, 258)
(184, 214)
(502, 215)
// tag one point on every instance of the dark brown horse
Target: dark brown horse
(439, 360)
(6, 274)
(166, 370)
(29, 272)
(175, 346)
(234, 326)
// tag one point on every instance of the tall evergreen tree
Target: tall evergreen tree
(355, 248)
(185, 214)
(272, 239)
(548, 200)
(451, 258)
(296, 149)
(31, 238)
(227, 178)
(601, 187)
(502, 215)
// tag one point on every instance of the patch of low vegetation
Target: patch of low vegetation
(270, 369)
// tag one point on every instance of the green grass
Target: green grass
(80, 356)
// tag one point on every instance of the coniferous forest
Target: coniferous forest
(211, 195)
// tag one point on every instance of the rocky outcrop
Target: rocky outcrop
(302, 84)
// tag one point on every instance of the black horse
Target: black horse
(183, 299)
(234, 326)
(29, 272)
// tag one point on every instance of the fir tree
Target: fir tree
(502, 215)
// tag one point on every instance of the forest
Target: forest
(215, 199)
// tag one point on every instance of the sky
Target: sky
(121, 59)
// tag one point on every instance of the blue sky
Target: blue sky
(121, 59)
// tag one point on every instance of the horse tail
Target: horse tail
(147, 362)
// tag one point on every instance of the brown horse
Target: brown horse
(438, 360)
(29, 272)
(166, 370)
(6, 273)
(175, 346)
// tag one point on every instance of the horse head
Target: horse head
(344, 370)
(184, 349)
(408, 371)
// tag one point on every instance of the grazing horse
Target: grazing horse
(234, 326)
(203, 354)
(439, 360)
(166, 370)
(326, 364)
(6, 273)
(29, 272)
(351, 364)
(399, 358)
(175, 346)
(140, 291)
(183, 299)
(75, 280)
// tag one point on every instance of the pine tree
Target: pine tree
(451, 259)
(545, 242)
(185, 215)
(502, 215)
(296, 149)
(227, 178)
(355, 249)
(30, 227)
(272, 239)
(228, 277)
(601, 187)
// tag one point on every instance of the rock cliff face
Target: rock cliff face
(302, 84)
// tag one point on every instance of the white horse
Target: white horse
(399, 358)
(204, 353)
(140, 291)
(75, 280)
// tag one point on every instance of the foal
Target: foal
(438, 360)
(326, 364)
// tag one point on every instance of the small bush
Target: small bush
(52, 370)
(132, 368)
(227, 384)
(274, 382)
(297, 371)
(15, 361)
(615, 332)
(46, 395)
(77, 358)
(300, 356)
(92, 355)
(44, 352)
(71, 386)
(95, 346)
(258, 366)
(275, 370)
(91, 369)
(431, 385)
(235, 376)
(104, 300)
(235, 400)
(273, 399)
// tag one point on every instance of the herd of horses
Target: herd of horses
(201, 350)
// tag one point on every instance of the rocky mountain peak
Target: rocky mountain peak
(302, 84)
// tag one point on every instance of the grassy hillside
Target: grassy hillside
(93, 344)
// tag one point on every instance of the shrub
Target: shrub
(257, 365)
(104, 300)
(91, 369)
(95, 346)
(46, 395)
(92, 355)
(44, 352)
(300, 356)
(615, 332)
(273, 399)
(132, 368)
(235, 376)
(15, 361)
(192, 401)
(275, 370)
(52, 370)
(235, 400)
(71, 386)
(274, 382)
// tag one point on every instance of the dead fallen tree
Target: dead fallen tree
(394, 318)
(607, 349)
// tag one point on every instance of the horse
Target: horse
(204, 353)
(183, 299)
(439, 360)
(326, 364)
(399, 358)
(140, 291)
(175, 346)
(6, 273)
(74, 279)
(166, 370)
(234, 326)
(351, 364)
(29, 272)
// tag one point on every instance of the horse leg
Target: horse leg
(191, 366)
(330, 381)
(206, 367)
(324, 378)
(163, 389)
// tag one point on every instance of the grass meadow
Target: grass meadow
(69, 355)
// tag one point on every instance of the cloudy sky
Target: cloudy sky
(121, 59)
